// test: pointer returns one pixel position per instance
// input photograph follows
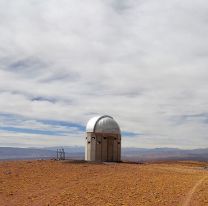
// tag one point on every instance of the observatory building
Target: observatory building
(103, 140)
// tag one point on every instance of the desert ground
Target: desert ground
(48, 182)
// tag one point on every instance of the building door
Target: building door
(110, 149)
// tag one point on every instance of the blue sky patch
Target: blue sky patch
(80, 127)
(32, 131)
(130, 134)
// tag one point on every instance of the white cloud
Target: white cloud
(143, 62)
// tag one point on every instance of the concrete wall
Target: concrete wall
(88, 145)
(110, 149)
(86, 149)
(98, 148)
(93, 148)
(119, 148)
(103, 147)
(115, 149)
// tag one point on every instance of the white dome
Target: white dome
(103, 124)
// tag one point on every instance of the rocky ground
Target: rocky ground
(69, 183)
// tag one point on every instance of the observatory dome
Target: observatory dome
(103, 124)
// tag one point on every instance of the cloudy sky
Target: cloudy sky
(144, 62)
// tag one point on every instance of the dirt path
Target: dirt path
(187, 200)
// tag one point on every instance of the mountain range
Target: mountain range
(128, 153)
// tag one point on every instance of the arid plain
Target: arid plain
(47, 182)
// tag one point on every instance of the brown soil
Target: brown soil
(64, 183)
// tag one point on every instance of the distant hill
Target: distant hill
(132, 154)
(7, 153)
(22, 153)
(68, 149)
(140, 154)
